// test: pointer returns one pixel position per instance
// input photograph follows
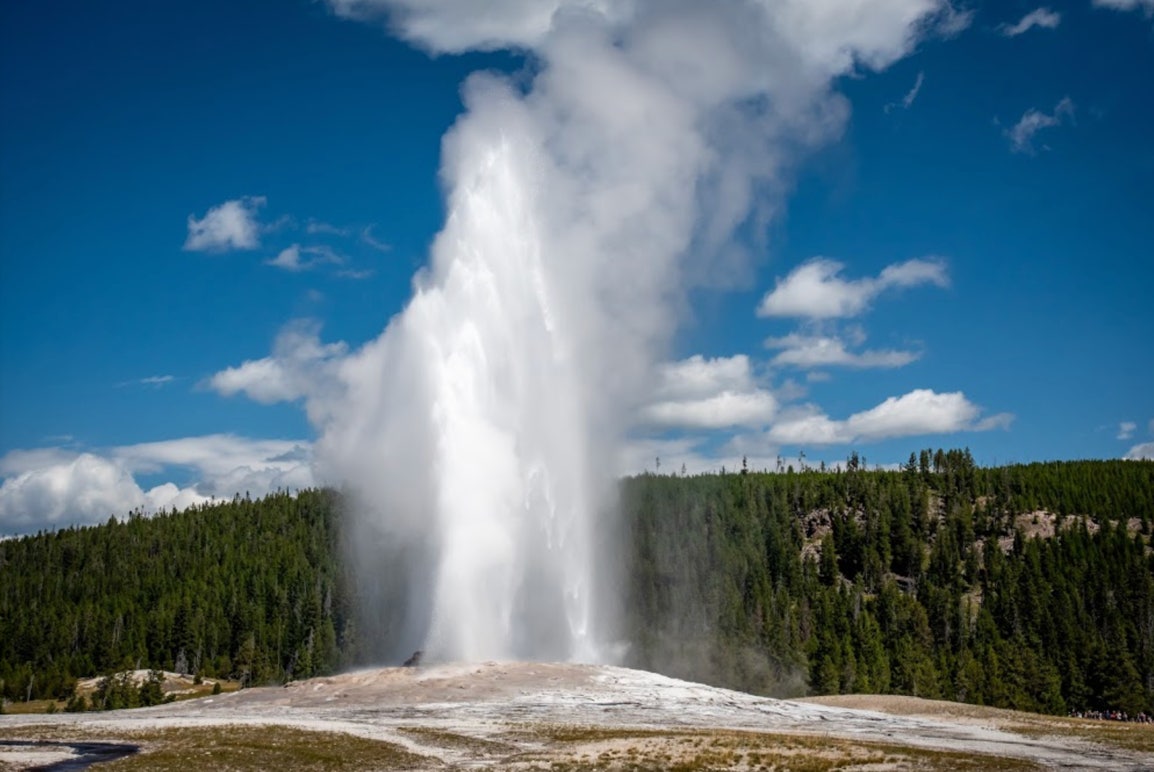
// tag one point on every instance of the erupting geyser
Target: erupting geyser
(479, 433)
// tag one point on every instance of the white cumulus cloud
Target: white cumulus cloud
(921, 411)
(719, 411)
(838, 32)
(226, 464)
(298, 367)
(51, 487)
(701, 393)
(816, 290)
(699, 376)
(84, 488)
(808, 426)
(288, 258)
(232, 225)
(1141, 452)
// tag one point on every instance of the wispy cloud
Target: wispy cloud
(912, 94)
(1021, 135)
(810, 351)
(314, 227)
(296, 258)
(816, 290)
(152, 381)
(355, 274)
(1126, 430)
(232, 225)
(1146, 6)
(953, 22)
(235, 225)
(372, 241)
(1042, 17)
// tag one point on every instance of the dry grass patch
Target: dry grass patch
(1133, 737)
(44, 732)
(579, 748)
(237, 748)
(454, 741)
(1114, 734)
(34, 706)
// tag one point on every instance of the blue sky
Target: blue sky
(182, 185)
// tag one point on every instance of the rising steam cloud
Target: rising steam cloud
(477, 433)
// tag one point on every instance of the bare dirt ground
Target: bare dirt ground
(570, 717)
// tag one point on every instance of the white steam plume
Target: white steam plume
(478, 433)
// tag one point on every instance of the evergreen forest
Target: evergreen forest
(246, 590)
(1025, 586)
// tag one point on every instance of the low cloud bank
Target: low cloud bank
(57, 487)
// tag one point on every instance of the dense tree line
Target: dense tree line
(927, 580)
(921, 581)
(247, 590)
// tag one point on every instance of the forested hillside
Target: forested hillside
(251, 590)
(1023, 586)
(921, 581)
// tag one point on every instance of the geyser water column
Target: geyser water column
(478, 451)
(478, 434)
(507, 415)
